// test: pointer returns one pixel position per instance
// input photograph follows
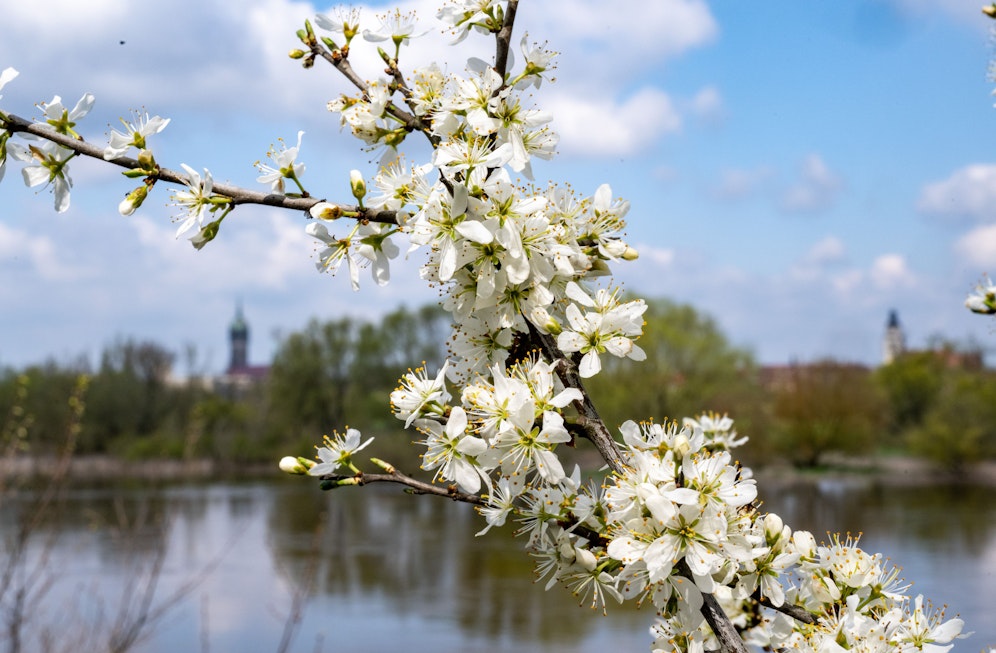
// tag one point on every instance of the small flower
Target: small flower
(337, 251)
(345, 21)
(418, 396)
(63, 120)
(49, 168)
(338, 451)
(5, 76)
(134, 136)
(396, 27)
(984, 299)
(285, 167)
(197, 199)
(453, 452)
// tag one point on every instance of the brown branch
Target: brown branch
(729, 639)
(339, 60)
(238, 195)
(588, 418)
(504, 38)
(796, 612)
(415, 486)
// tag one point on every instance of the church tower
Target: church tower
(238, 336)
(894, 342)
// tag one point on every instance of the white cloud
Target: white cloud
(815, 190)
(964, 12)
(601, 126)
(40, 253)
(739, 183)
(707, 104)
(660, 257)
(968, 192)
(890, 271)
(827, 250)
(978, 247)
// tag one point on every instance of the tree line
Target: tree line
(938, 403)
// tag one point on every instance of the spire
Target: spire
(894, 343)
(238, 336)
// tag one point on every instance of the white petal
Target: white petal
(475, 231)
(590, 365)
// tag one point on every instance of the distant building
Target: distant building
(240, 375)
(894, 343)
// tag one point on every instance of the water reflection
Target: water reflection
(385, 569)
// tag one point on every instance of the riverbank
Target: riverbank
(882, 470)
(99, 468)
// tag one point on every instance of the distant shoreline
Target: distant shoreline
(97, 468)
(888, 470)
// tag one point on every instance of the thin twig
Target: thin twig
(504, 38)
(237, 194)
(796, 612)
(588, 418)
(414, 486)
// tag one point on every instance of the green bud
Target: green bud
(325, 211)
(133, 200)
(384, 56)
(147, 161)
(357, 184)
(207, 233)
(383, 464)
(296, 54)
(302, 36)
(329, 43)
(295, 464)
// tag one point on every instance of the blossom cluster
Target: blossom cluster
(524, 271)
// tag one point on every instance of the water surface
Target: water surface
(383, 571)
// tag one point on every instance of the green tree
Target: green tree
(959, 426)
(690, 367)
(910, 385)
(129, 394)
(823, 407)
(342, 372)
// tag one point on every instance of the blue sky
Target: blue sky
(796, 169)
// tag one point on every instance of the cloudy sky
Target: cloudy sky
(796, 170)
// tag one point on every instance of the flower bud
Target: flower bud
(630, 254)
(772, 527)
(296, 464)
(133, 200)
(146, 161)
(325, 211)
(357, 184)
(207, 233)
(546, 323)
(682, 445)
(296, 54)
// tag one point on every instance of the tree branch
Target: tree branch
(504, 38)
(339, 60)
(796, 612)
(589, 419)
(415, 486)
(238, 195)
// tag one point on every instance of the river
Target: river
(374, 569)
